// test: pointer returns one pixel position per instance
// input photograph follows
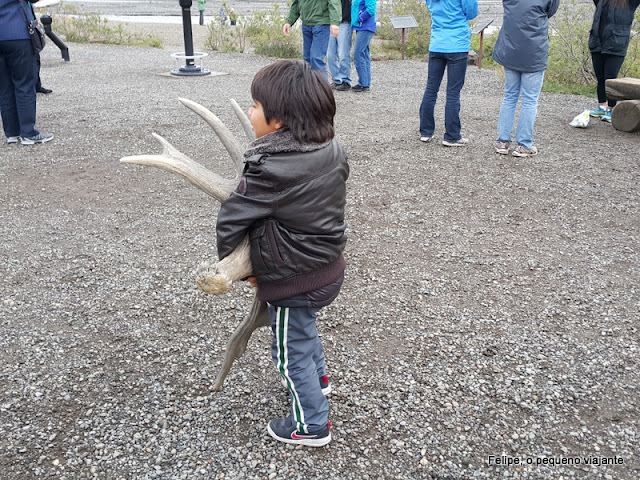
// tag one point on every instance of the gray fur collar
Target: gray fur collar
(280, 141)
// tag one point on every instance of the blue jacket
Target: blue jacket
(523, 41)
(363, 15)
(13, 25)
(611, 28)
(450, 31)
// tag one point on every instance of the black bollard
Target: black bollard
(46, 23)
(190, 68)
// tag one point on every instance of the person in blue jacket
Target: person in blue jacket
(18, 76)
(448, 48)
(522, 49)
(608, 43)
(363, 21)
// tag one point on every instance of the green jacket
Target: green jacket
(315, 12)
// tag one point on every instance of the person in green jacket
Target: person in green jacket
(320, 18)
(201, 6)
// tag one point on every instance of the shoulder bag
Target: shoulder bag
(36, 30)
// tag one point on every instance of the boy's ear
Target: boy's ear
(278, 124)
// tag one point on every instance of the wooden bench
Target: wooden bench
(480, 29)
(626, 114)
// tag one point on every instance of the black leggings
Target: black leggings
(605, 67)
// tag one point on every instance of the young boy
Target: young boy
(291, 202)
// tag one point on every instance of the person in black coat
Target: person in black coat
(608, 43)
(39, 87)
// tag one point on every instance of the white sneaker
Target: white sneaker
(39, 138)
(522, 151)
(425, 139)
(502, 148)
(13, 139)
(461, 142)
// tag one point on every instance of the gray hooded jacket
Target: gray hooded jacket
(523, 41)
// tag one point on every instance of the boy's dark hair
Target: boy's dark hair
(300, 97)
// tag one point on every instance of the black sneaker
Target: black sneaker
(359, 88)
(324, 384)
(342, 87)
(284, 430)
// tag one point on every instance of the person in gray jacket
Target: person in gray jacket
(522, 49)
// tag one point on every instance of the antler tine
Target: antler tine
(244, 120)
(257, 317)
(235, 149)
(172, 160)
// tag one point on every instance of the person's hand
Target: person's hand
(252, 281)
(335, 30)
(286, 29)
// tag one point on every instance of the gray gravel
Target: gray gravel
(491, 304)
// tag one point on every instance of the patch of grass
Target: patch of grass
(91, 28)
(550, 86)
(262, 33)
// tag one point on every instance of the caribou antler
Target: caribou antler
(217, 278)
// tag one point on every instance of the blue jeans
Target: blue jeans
(315, 41)
(17, 88)
(339, 55)
(517, 83)
(456, 65)
(362, 57)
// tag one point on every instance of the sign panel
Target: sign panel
(403, 21)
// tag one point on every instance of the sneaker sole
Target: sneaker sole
(523, 154)
(31, 142)
(447, 144)
(502, 152)
(307, 442)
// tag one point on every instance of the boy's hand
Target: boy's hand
(252, 281)
(286, 29)
(335, 30)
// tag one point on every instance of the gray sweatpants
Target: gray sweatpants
(298, 356)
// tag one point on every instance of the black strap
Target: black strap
(24, 10)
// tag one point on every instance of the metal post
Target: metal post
(190, 68)
(46, 23)
(403, 30)
(480, 51)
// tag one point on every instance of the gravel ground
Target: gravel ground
(491, 304)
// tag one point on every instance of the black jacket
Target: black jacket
(292, 207)
(611, 28)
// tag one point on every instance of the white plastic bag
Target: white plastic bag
(581, 121)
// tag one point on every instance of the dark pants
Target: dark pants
(456, 65)
(17, 88)
(605, 68)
